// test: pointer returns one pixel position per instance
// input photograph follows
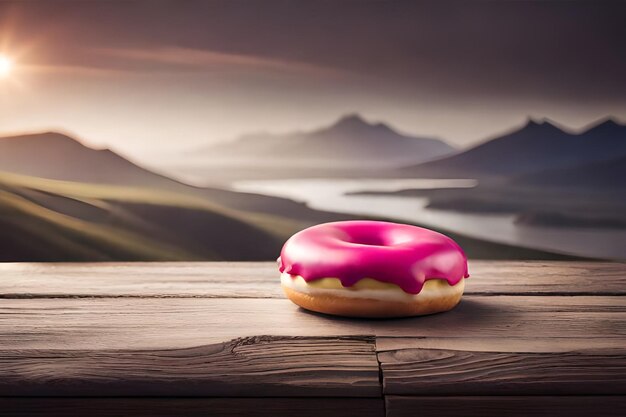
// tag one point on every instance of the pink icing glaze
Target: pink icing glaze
(389, 252)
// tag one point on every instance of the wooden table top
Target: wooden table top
(192, 339)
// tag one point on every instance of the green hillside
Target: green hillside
(51, 220)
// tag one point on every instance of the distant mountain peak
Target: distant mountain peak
(55, 134)
(350, 141)
(607, 124)
(51, 138)
(537, 146)
(351, 120)
(540, 123)
(40, 135)
(355, 124)
(59, 156)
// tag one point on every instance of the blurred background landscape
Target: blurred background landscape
(213, 130)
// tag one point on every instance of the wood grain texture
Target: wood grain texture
(523, 344)
(141, 279)
(546, 330)
(248, 367)
(260, 279)
(112, 323)
(519, 406)
(192, 407)
(547, 278)
(454, 372)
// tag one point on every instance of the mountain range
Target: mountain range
(544, 175)
(351, 142)
(63, 201)
(535, 147)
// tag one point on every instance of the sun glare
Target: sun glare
(6, 65)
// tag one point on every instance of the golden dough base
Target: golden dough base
(373, 308)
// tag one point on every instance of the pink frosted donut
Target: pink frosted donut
(372, 269)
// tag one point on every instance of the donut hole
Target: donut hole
(377, 236)
(382, 239)
(368, 240)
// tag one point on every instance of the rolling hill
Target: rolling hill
(537, 146)
(351, 142)
(51, 220)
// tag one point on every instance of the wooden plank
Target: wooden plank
(248, 367)
(141, 279)
(546, 278)
(518, 406)
(456, 372)
(192, 407)
(524, 344)
(110, 323)
(260, 279)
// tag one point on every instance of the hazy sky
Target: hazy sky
(150, 75)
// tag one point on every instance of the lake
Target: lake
(330, 195)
